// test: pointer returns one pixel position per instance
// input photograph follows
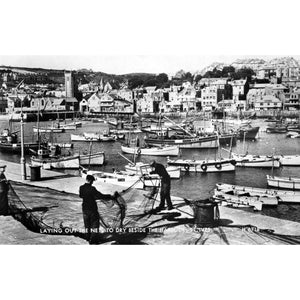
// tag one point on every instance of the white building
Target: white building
(268, 102)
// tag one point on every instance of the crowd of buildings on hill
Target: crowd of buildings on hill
(280, 90)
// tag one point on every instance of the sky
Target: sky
(122, 64)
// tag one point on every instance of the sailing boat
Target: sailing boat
(189, 141)
(9, 141)
(255, 161)
(43, 156)
(205, 166)
(133, 147)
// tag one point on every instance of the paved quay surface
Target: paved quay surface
(64, 208)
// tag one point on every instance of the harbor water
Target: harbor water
(190, 185)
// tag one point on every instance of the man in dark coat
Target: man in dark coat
(3, 192)
(165, 185)
(91, 217)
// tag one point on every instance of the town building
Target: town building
(268, 102)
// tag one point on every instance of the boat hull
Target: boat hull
(94, 159)
(283, 196)
(48, 130)
(155, 151)
(67, 162)
(82, 138)
(193, 143)
(203, 166)
(16, 148)
(248, 133)
(289, 183)
(289, 160)
(250, 161)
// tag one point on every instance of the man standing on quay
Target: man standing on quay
(91, 217)
(165, 185)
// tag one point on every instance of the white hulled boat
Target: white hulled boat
(256, 161)
(204, 166)
(291, 183)
(48, 129)
(84, 138)
(93, 159)
(283, 196)
(153, 151)
(289, 160)
(46, 161)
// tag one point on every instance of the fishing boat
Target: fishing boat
(256, 161)
(61, 145)
(93, 159)
(291, 183)
(84, 138)
(282, 196)
(105, 137)
(182, 139)
(48, 161)
(123, 179)
(71, 126)
(247, 132)
(204, 166)
(153, 151)
(48, 129)
(241, 196)
(278, 128)
(209, 142)
(289, 160)
(9, 143)
(140, 168)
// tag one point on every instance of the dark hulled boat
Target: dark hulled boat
(247, 133)
(9, 143)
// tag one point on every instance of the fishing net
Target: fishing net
(41, 209)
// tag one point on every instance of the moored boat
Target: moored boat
(282, 195)
(97, 158)
(277, 129)
(84, 138)
(289, 160)
(154, 151)
(187, 143)
(256, 161)
(47, 161)
(9, 143)
(291, 183)
(47, 129)
(204, 166)
(247, 132)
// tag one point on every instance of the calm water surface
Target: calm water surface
(192, 186)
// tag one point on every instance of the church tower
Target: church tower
(69, 84)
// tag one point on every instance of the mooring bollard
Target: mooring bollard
(3, 192)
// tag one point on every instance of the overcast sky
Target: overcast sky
(118, 36)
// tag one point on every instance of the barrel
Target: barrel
(205, 213)
(35, 173)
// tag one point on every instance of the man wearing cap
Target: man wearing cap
(91, 218)
(165, 185)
